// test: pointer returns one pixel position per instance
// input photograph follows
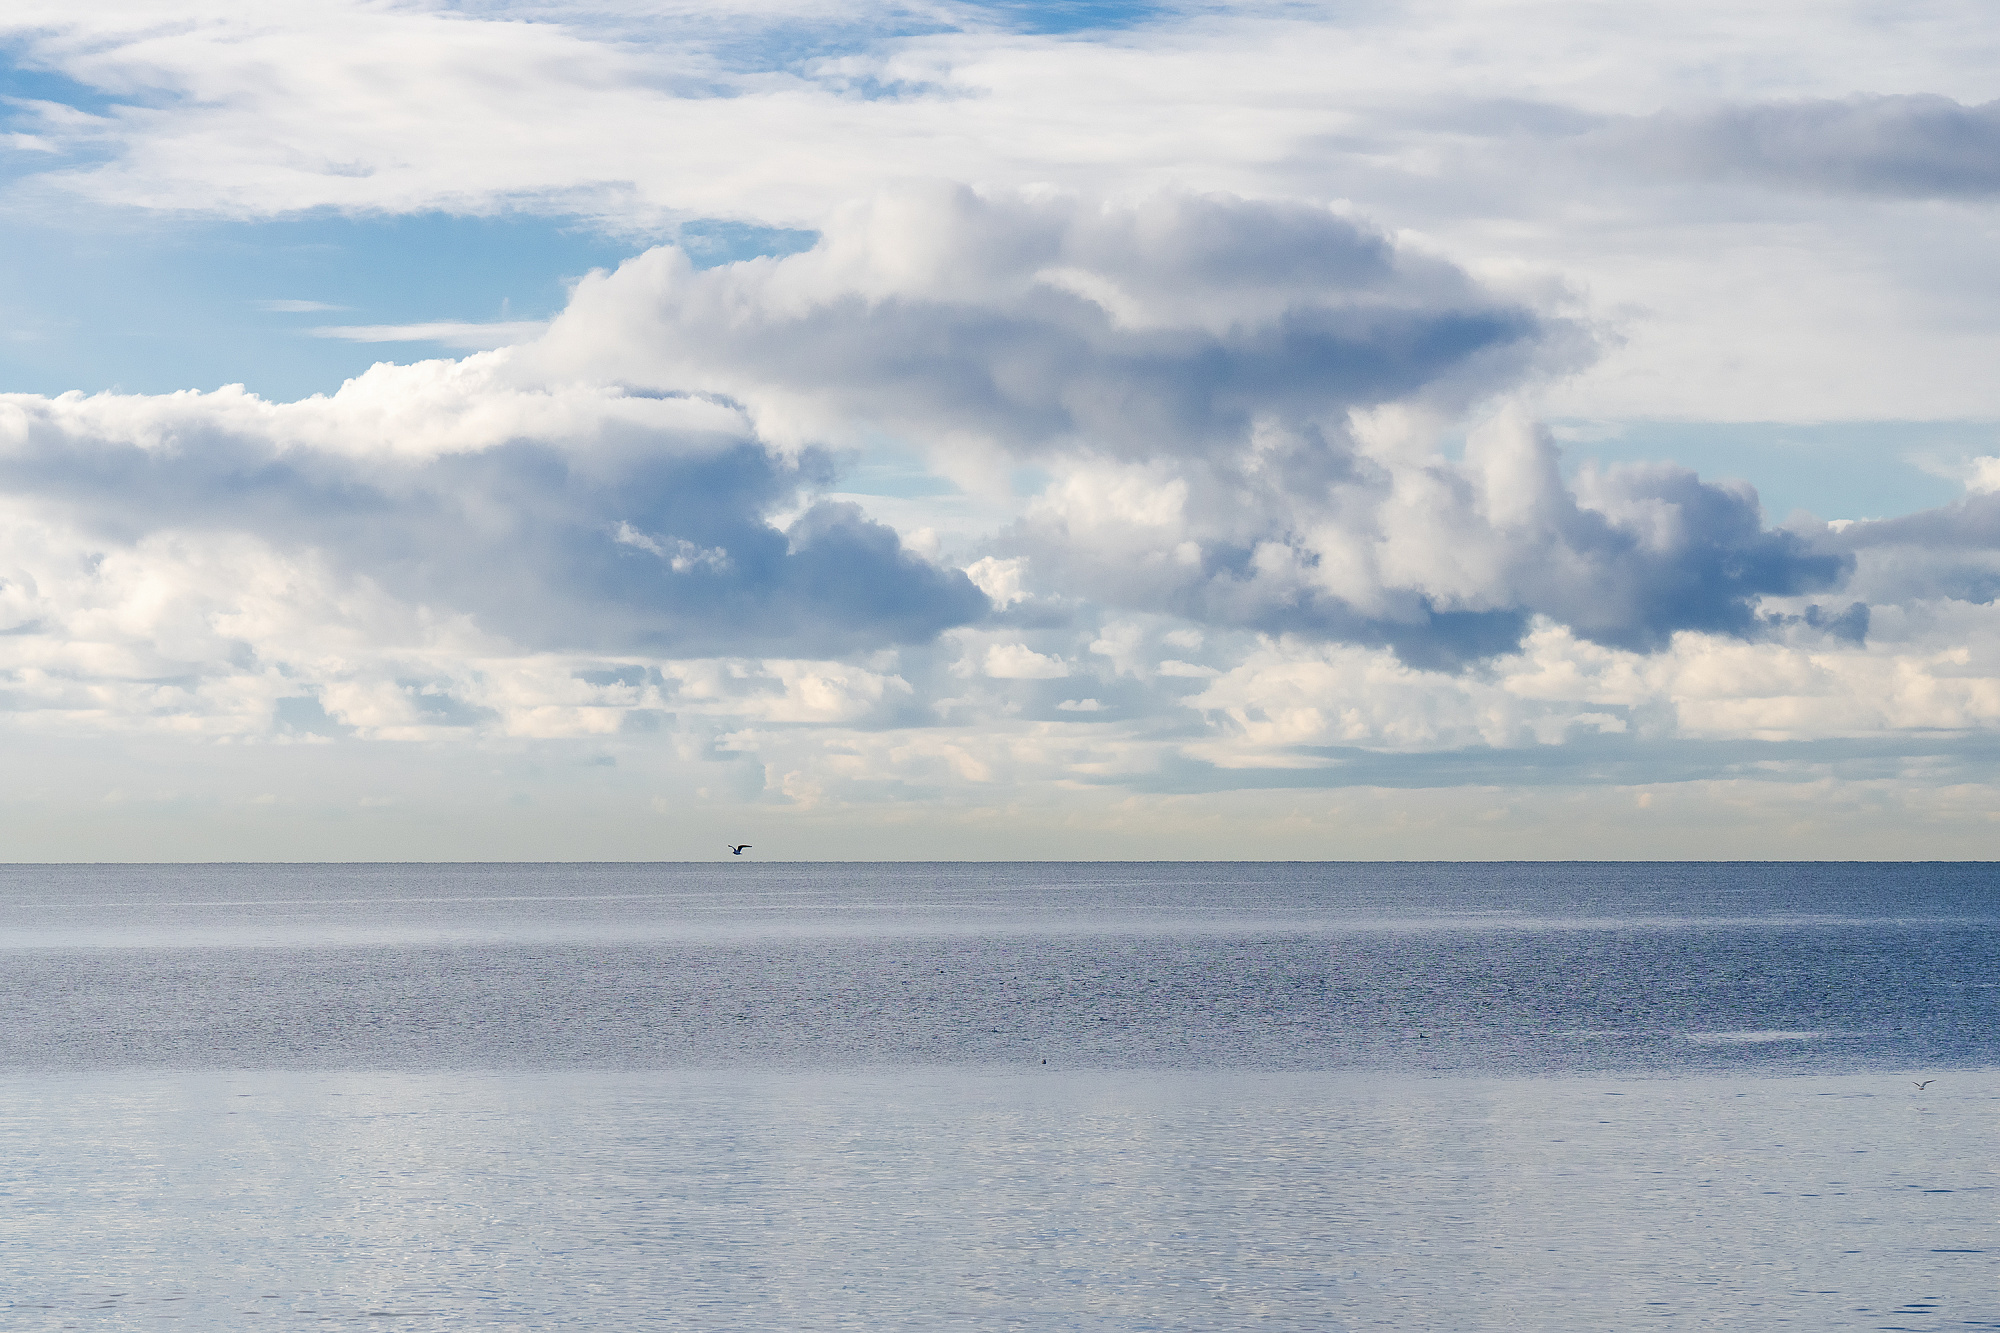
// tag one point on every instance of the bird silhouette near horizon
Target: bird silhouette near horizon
(736, 849)
(1925, 1084)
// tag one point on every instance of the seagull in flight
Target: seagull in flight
(1925, 1084)
(736, 849)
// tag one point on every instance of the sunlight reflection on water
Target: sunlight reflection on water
(939, 1198)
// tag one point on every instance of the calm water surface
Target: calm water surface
(1001, 1097)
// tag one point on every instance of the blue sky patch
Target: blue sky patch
(147, 306)
(1044, 17)
(1854, 469)
(20, 83)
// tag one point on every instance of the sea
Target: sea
(1158, 1096)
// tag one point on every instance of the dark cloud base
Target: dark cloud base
(664, 550)
(1918, 146)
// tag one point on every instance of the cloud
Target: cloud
(1646, 550)
(1253, 543)
(1000, 580)
(779, 110)
(1237, 402)
(1983, 475)
(1290, 703)
(551, 519)
(1950, 553)
(1035, 323)
(449, 333)
(1919, 146)
(1017, 661)
(1233, 356)
(1444, 562)
(1457, 123)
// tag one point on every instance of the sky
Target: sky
(1521, 429)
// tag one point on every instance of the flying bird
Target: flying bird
(736, 850)
(1925, 1084)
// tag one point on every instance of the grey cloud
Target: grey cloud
(538, 544)
(1665, 551)
(1610, 582)
(1040, 324)
(1418, 630)
(1194, 372)
(1057, 372)
(1849, 624)
(1648, 551)
(1916, 146)
(1949, 552)
(1218, 350)
(1970, 524)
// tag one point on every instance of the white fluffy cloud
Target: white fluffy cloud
(1240, 403)
(1250, 523)
(553, 517)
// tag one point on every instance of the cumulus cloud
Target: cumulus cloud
(1261, 541)
(1233, 398)
(1017, 661)
(1444, 561)
(1250, 517)
(1253, 489)
(1290, 703)
(1037, 323)
(562, 519)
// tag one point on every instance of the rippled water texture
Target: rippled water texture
(815, 1097)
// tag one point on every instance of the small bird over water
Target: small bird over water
(736, 849)
(1925, 1084)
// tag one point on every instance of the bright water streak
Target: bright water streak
(813, 1097)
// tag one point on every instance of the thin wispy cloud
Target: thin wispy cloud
(446, 333)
